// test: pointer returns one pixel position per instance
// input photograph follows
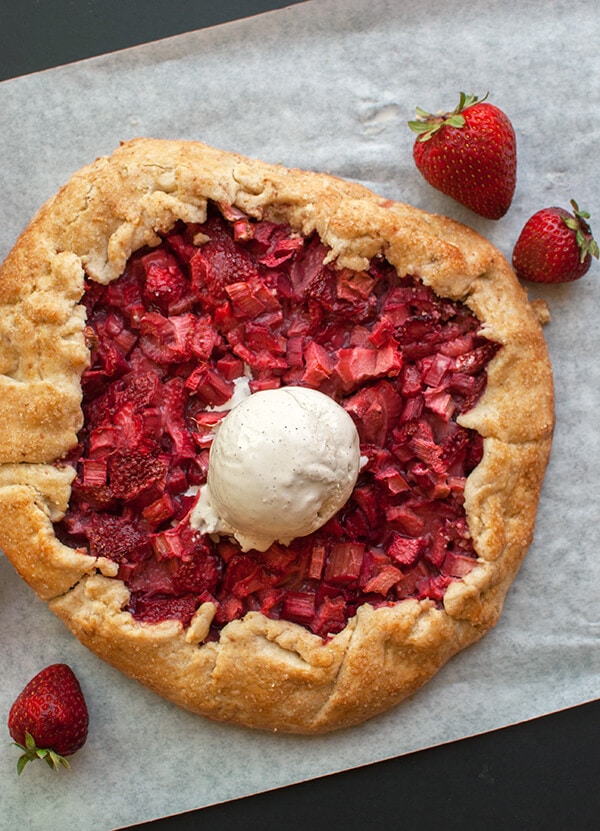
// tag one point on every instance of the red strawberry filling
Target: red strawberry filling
(235, 297)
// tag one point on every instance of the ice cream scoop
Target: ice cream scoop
(282, 463)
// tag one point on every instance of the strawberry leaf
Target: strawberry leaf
(55, 760)
(583, 233)
(21, 762)
(31, 751)
(427, 124)
(455, 121)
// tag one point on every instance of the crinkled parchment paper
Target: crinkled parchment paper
(330, 85)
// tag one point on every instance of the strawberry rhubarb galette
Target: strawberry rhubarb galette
(272, 445)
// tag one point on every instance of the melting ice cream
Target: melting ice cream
(282, 463)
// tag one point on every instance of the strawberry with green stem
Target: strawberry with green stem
(470, 154)
(49, 718)
(555, 246)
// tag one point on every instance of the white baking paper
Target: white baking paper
(329, 85)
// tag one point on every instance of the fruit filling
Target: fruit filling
(235, 306)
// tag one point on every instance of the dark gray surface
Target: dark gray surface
(538, 775)
(38, 34)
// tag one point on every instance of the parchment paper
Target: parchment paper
(330, 85)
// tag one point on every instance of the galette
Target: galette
(270, 444)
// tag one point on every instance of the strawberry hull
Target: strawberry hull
(169, 339)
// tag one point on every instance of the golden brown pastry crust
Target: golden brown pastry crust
(261, 673)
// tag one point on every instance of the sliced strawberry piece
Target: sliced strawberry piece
(115, 538)
(156, 608)
(165, 283)
(167, 340)
(131, 472)
(219, 263)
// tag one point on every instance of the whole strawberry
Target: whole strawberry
(49, 719)
(469, 154)
(555, 246)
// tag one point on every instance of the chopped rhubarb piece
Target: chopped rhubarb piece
(178, 243)
(437, 369)
(261, 360)
(244, 577)
(94, 472)
(405, 551)
(307, 273)
(436, 551)
(405, 518)
(330, 617)
(209, 385)
(294, 351)
(276, 243)
(411, 380)
(381, 332)
(440, 402)
(176, 480)
(457, 346)
(413, 408)
(345, 562)
(374, 409)
(358, 364)
(356, 525)
(242, 229)
(458, 565)
(317, 561)
(425, 448)
(383, 580)
(232, 212)
(230, 367)
(260, 338)
(204, 338)
(168, 544)
(298, 607)
(461, 382)
(246, 303)
(354, 285)
(367, 497)
(434, 587)
(411, 581)
(389, 473)
(160, 510)
(319, 364)
(229, 608)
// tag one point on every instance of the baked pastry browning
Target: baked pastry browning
(257, 668)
